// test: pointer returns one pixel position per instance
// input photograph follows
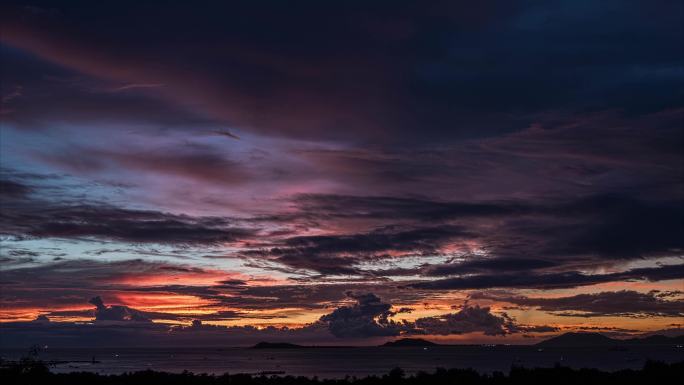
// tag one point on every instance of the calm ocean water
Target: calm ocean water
(339, 362)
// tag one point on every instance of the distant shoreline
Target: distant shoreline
(571, 339)
(36, 372)
(565, 340)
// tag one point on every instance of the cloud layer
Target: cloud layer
(248, 165)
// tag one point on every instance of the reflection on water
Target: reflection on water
(339, 362)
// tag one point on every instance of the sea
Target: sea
(338, 362)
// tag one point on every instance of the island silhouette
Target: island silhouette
(409, 342)
(31, 370)
(570, 339)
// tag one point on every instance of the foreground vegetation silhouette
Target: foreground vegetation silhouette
(35, 372)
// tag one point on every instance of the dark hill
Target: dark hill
(406, 342)
(596, 339)
(656, 340)
(578, 339)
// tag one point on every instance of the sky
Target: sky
(340, 172)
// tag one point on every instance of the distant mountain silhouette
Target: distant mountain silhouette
(27, 371)
(404, 342)
(597, 339)
(277, 345)
(656, 340)
(578, 339)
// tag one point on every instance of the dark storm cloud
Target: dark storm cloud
(573, 162)
(351, 69)
(116, 312)
(569, 155)
(593, 230)
(121, 313)
(569, 104)
(319, 206)
(35, 218)
(626, 303)
(334, 254)
(367, 318)
(136, 334)
(370, 317)
(268, 55)
(309, 296)
(608, 225)
(517, 235)
(486, 265)
(548, 238)
(51, 277)
(68, 334)
(620, 227)
(468, 319)
(51, 286)
(128, 226)
(565, 279)
(66, 96)
(13, 189)
(194, 162)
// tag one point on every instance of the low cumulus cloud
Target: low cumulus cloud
(116, 312)
(468, 319)
(368, 317)
(566, 279)
(476, 319)
(625, 303)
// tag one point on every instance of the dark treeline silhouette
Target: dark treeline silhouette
(34, 372)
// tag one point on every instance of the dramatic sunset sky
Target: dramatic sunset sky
(340, 172)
